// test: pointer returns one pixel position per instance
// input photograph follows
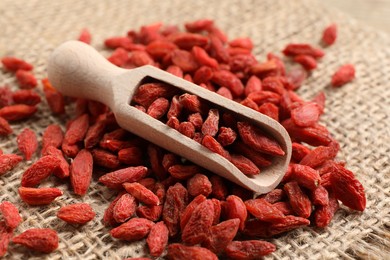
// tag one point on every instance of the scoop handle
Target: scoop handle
(76, 70)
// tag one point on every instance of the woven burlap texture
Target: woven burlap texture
(358, 115)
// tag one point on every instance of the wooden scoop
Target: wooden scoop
(78, 70)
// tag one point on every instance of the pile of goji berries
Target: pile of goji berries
(179, 207)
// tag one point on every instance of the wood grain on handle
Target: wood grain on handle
(78, 70)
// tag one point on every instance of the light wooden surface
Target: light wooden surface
(375, 13)
(78, 70)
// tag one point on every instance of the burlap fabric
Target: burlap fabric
(358, 114)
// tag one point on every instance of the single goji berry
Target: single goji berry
(175, 202)
(79, 213)
(5, 128)
(178, 251)
(10, 214)
(133, 230)
(38, 239)
(298, 199)
(153, 213)
(27, 143)
(26, 79)
(235, 208)
(40, 170)
(8, 162)
(329, 34)
(26, 96)
(81, 172)
(221, 235)
(38, 196)
(249, 249)
(157, 239)
(141, 193)
(17, 112)
(343, 75)
(347, 188)
(198, 226)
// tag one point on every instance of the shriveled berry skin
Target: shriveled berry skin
(79, 213)
(43, 240)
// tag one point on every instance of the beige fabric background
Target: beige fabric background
(358, 114)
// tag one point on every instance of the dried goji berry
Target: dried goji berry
(221, 235)
(347, 188)
(324, 214)
(105, 159)
(81, 172)
(213, 145)
(305, 176)
(108, 217)
(27, 97)
(5, 96)
(141, 193)
(184, 172)
(85, 36)
(10, 214)
(256, 139)
(38, 239)
(95, 132)
(187, 41)
(286, 224)
(307, 61)
(298, 199)
(175, 202)
(306, 114)
(17, 112)
(133, 230)
(263, 210)
(13, 64)
(185, 216)
(157, 239)
(5, 128)
(203, 58)
(5, 236)
(26, 79)
(8, 162)
(294, 49)
(329, 34)
(199, 184)
(343, 75)
(235, 208)
(199, 25)
(320, 196)
(245, 165)
(249, 249)
(79, 213)
(284, 207)
(153, 213)
(155, 154)
(39, 196)
(198, 226)
(184, 60)
(54, 98)
(210, 125)
(231, 81)
(119, 57)
(259, 159)
(39, 171)
(299, 151)
(27, 143)
(178, 251)
(62, 170)
(131, 156)
(187, 129)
